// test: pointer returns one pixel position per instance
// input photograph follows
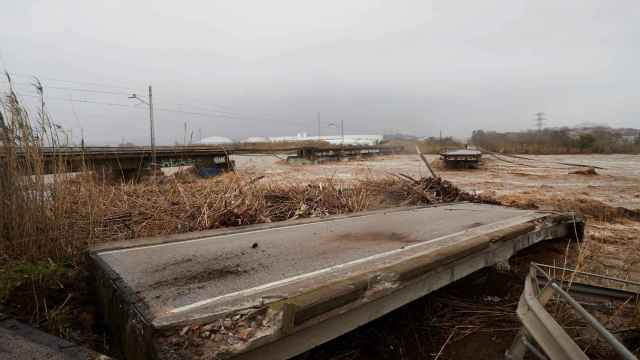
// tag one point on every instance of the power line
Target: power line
(72, 81)
(46, 87)
(210, 111)
(225, 116)
(79, 101)
(47, 98)
(228, 113)
(87, 90)
(222, 109)
(213, 110)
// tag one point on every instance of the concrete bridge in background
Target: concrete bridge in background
(131, 162)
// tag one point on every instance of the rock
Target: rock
(227, 323)
(218, 337)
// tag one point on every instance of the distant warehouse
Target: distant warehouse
(336, 139)
(365, 140)
(215, 140)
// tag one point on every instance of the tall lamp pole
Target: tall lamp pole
(151, 127)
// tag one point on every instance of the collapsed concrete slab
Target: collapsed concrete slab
(272, 291)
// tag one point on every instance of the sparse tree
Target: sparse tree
(586, 141)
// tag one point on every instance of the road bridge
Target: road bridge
(132, 161)
(272, 291)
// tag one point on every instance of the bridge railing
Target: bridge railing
(542, 335)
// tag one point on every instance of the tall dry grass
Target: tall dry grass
(47, 213)
(35, 196)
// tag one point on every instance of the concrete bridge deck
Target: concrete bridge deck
(128, 161)
(275, 290)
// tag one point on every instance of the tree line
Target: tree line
(557, 141)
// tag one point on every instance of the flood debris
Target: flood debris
(425, 161)
(429, 190)
(221, 337)
(590, 171)
(140, 210)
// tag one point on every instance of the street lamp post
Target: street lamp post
(151, 127)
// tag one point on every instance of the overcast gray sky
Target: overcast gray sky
(261, 68)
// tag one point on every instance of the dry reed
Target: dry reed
(49, 214)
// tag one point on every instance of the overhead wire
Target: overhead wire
(215, 107)
(33, 76)
(229, 114)
(72, 89)
(88, 90)
(47, 98)
(212, 110)
(218, 115)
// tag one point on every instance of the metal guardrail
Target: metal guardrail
(540, 327)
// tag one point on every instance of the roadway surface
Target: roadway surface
(185, 277)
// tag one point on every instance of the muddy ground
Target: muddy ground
(475, 318)
(618, 184)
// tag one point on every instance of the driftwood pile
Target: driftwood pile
(433, 190)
